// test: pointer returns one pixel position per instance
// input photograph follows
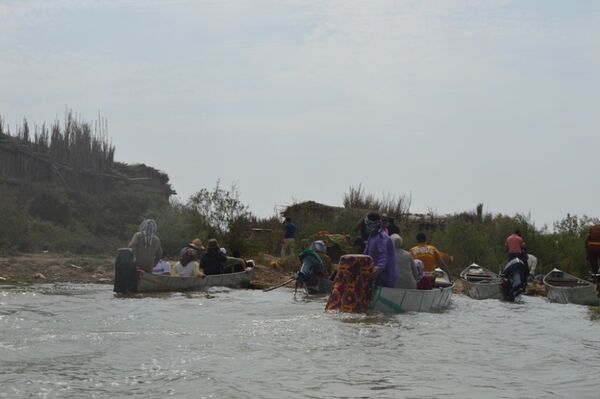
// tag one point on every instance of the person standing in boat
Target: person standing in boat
(592, 248)
(213, 261)
(515, 247)
(381, 248)
(146, 246)
(188, 265)
(431, 258)
(407, 270)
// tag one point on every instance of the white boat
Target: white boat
(562, 287)
(148, 282)
(398, 300)
(481, 283)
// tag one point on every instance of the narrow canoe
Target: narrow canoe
(151, 283)
(562, 287)
(481, 283)
(398, 300)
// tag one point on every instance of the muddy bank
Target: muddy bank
(65, 268)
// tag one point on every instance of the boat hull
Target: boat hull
(483, 290)
(151, 283)
(399, 300)
(582, 292)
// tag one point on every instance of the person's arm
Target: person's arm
(442, 264)
(134, 241)
(159, 251)
(382, 256)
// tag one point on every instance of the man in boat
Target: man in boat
(515, 247)
(431, 258)
(289, 236)
(196, 245)
(312, 268)
(381, 248)
(592, 248)
(146, 246)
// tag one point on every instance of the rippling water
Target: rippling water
(75, 341)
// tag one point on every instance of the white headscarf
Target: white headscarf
(148, 229)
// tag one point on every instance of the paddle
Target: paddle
(280, 285)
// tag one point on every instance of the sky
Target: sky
(450, 102)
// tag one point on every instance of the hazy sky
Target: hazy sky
(453, 101)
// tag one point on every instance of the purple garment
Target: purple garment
(380, 247)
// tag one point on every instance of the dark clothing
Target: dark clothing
(290, 230)
(213, 262)
(592, 255)
(393, 229)
(521, 255)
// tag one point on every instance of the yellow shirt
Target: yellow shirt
(428, 254)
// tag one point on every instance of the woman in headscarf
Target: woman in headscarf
(188, 265)
(213, 261)
(381, 248)
(406, 265)
(146, 246)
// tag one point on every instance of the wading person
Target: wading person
(431, 258)
(146, 246)
(592, 248)
(381, 248)
(289, 236)
(312, 268)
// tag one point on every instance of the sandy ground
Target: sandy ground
(64, 268)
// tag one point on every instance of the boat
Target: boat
(398, 300)
(562, 287)
(481, 283)
(148, 282)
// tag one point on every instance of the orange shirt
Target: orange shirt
(428, 254)
(514, 244)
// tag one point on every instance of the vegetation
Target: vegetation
(88, 203)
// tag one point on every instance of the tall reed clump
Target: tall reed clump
(76, 143)
(394, 206)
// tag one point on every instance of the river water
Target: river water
(82, 341)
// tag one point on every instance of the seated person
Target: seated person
(213, 261)
(196, 244)
(187, 266)
(422, 283)
(162, 268)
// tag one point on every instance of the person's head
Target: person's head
(188, 256)
(517, 232)
(213, 245)
(148, 229)
(373, 222)
(421, 238)
(223, 250)
(319, 246)
(397, 240)
(196, 242)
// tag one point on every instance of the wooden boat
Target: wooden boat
(481, 283)
(398, 300)
(148, 282)
(562, 287)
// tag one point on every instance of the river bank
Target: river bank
(47, 267)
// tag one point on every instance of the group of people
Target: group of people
(194, 260)
(395, 267)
